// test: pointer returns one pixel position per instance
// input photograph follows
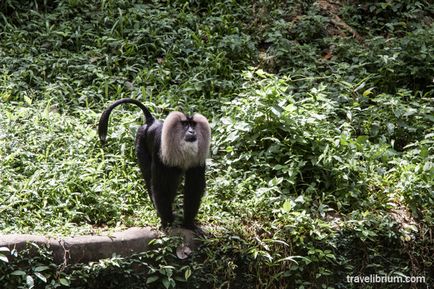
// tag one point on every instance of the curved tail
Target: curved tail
(103, 121)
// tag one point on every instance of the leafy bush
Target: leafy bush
(294, 141)
(387, 17)
(17, 270)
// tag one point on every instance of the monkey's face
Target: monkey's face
(189, 129)
(185, 140)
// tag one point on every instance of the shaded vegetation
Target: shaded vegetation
(322, 153)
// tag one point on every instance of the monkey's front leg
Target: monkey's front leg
(194, 189)
(165, 181)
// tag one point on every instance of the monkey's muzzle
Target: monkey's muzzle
(190, 136)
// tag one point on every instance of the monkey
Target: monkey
(166, 151)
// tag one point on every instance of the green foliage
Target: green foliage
(157, 268)
(94, 50)
(292, 139)
(322, 152)
(408, 61)
(50, 166)
(405, 62)
(19, 271)
(398, 49)
(391, 17)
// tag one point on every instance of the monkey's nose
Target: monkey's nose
(190, 136)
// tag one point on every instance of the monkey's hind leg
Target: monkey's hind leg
(144, 159)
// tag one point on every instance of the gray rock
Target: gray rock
(82, 249)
